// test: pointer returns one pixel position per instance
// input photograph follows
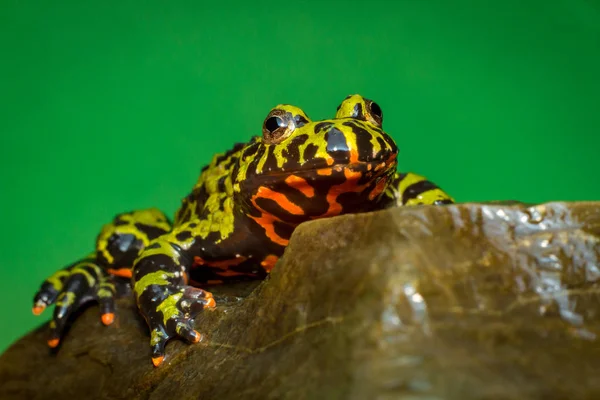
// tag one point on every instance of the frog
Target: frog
(238, 218)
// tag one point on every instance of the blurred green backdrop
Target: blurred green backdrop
(116, 105)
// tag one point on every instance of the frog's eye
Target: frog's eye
(375, 112)
(274, 123)
(277, 126)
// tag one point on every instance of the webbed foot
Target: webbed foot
(171, 315)
(72, 287)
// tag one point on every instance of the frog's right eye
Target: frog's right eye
(375, 112)
(278, 125)
(274, 123)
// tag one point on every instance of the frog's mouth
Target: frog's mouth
(368, 169)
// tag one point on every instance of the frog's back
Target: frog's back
(213, 192)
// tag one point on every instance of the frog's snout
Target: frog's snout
(352, 143)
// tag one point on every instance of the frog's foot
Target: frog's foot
(71, 288)
(173, 316)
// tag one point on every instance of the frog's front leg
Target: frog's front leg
(411, 189)
(163, 296)
(72, 287)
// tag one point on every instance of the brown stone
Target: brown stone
(469, 301)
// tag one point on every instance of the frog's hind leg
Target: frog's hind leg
(94, 277)
(72, 287)
(411, 189)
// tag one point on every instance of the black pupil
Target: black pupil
(375, 109)
(273, 123)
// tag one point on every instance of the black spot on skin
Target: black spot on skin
(308, 204)
(254, 163)
(381, 142)
(292, 151)
(235, 169)
(183, 236)
(416, 189)
(299, 140)
(392, 144)
(221, 184)
(236, 147)
(153, 246)
(193, 225)
(221, 157)
(222, 202)
(283, 230)
(337, 146)
(322, 126)
(151, 264)
(151, 231)
(358, 112)
(310, 151)
(271, 163)
(300, 121)
(444, 201)
(363, 141)
(249, 151)
(273, 208)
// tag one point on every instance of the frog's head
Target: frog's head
(301, 169)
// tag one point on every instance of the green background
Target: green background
(115, 106)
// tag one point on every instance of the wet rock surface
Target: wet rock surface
(469, 301)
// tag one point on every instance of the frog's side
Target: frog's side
(239, 217)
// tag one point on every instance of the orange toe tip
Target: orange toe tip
(198, 337)
(210, 303)
(108, 318)
(53, 343)
(122, 272)
(158, 360)
(37, 310)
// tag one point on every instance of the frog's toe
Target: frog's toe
(158, 341)
(72, 297)
(184, 329)
(46, 296)
(106, 299)
(195, 300)
(39, 306)
(158, 354)
(173, 318)
(107, 309)
(159, 337)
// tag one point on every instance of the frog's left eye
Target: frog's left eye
(375, 112)
(277, 126)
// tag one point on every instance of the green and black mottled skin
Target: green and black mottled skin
(238, 219)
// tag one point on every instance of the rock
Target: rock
(468, 301)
